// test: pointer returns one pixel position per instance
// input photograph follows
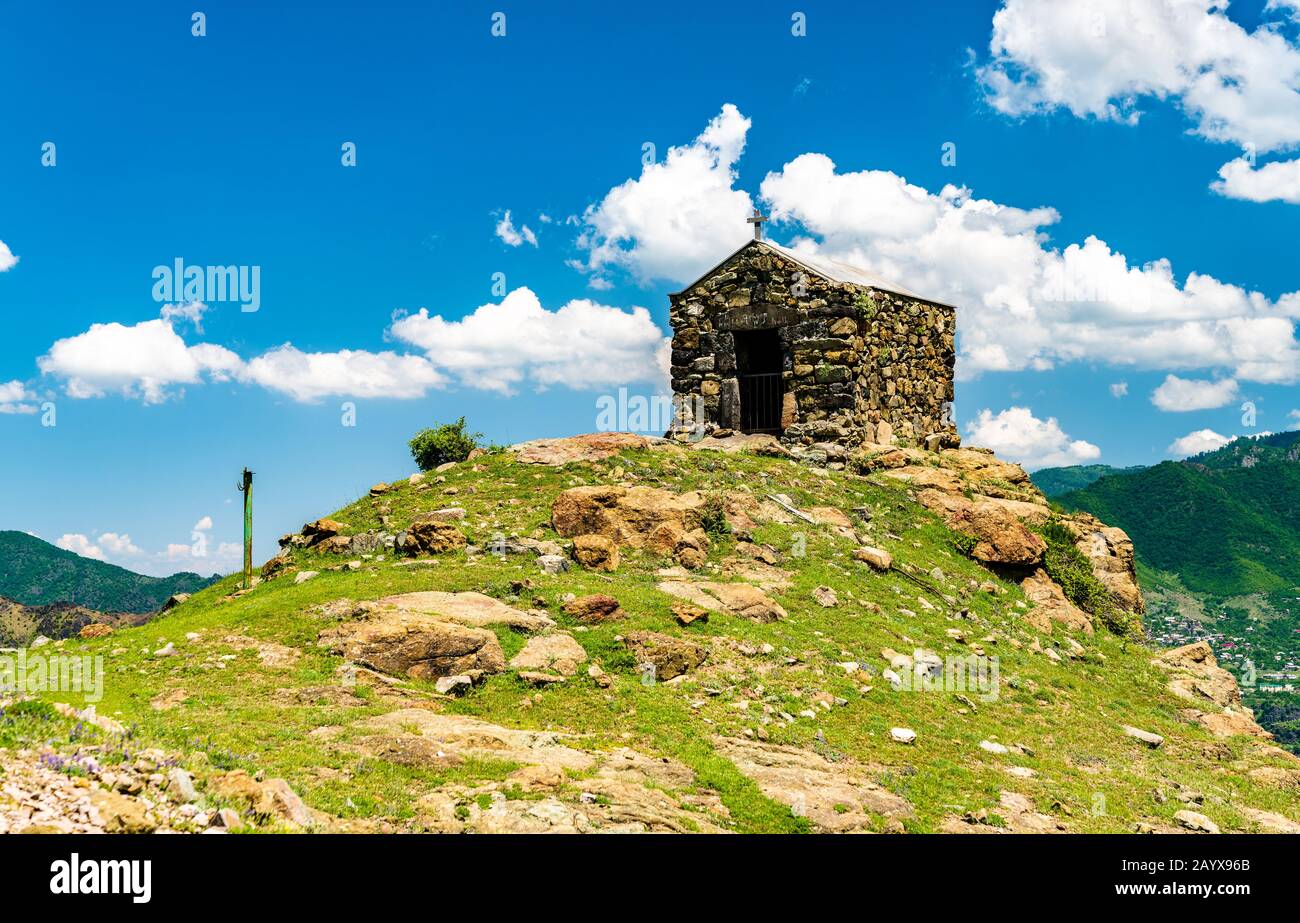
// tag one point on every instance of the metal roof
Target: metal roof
(831, 270)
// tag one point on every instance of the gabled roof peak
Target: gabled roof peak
(830, 270)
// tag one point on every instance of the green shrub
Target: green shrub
(447, 442)
(867, 306)
(713, 517)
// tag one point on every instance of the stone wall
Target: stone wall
(846, 368)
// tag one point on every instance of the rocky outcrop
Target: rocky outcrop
(999, 536)
(1195, 676)
(571, 789)
(626, 515)
(401, 642)
(1050, 605)
(1110, 551)
(742, 599)
(835, 797)
(994, 504)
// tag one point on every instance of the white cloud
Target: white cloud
(7, 259)
(189, 312)
(79, 544)
(109, 546)
(1119, 389)
(1018, 435)
(203, 525)
(680, 216)
(142, 360)
(1024, 304)
(582, 344)
(1274, 182)
(13, 394)
(507, 232)
(1194, 443)
(1102, 58)
(308, 377)
(118, 548)
(1176, 395)
(496, 347)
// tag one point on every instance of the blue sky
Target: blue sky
(226, 149)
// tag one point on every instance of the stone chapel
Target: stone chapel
(811, 351)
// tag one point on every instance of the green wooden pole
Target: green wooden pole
(246, 488)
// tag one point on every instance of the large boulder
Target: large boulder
(402, 642)
(558, 652)
(670, 656)
(625, 515)
(472, 609)
(430, 533)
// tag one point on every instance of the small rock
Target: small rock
(825, 597)
(687, 614)
(453, 685)
(181, 785)
(534, 678)
(993, 747)
(876, 557)
(304, 575)
(552, 564)
(1151, 740)
(902, 735)
(167, 650)
(1195, 822)
(598, 607)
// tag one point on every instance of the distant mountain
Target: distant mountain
(1226, 522)
(1056, 481)
(36, 573)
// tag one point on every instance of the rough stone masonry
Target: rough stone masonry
(822, 352)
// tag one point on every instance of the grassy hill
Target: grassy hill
(1056, 481)
(36, 573)
(785, 726)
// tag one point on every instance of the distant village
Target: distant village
(1251, 656)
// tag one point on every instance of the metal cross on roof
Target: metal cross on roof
(757, 220)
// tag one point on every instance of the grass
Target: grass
(240, 712)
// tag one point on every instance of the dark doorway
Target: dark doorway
(758, 366)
